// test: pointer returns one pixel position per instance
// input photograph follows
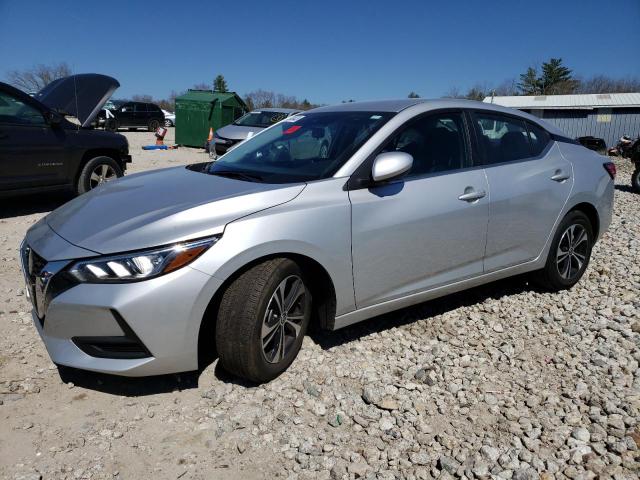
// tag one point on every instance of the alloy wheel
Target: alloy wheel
(283, 319)
(572, 251)
(101, 174)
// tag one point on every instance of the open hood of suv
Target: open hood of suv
(81, 96)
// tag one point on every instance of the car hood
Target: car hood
(161, 207)
(236, 132)
(81, 96)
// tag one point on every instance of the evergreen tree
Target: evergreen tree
(220, 84)
(413, 94)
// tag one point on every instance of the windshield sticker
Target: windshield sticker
(293, 118)
(375, 117)
(291, 130)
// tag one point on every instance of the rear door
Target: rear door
(530, 182)
(31, 151)
(141, 114)
(427, 229)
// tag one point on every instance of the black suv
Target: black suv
(46, 142)
(133, 115)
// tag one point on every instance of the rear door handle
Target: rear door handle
(472, 195)
(560, 176)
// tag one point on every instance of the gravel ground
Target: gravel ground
(498, 382)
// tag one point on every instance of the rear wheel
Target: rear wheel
(569, 253)
(97, 171)
(262, 320)
(635, 179)
(153, 125)
(168, 123)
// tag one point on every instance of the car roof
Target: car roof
(423, 104)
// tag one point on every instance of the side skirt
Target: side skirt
(415, 298)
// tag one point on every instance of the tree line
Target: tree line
(550, 78)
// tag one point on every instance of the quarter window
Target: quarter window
(539, 138)
(436, 143)
(15, 112)
(502, 138)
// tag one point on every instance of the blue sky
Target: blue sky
(326, 50)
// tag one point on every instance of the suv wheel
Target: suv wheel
(262, 319)
(168, 123)
(635, 179)
(569, 253)
(97, 171)
(153, 125)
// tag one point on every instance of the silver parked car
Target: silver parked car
(229, 136)
(412, 200)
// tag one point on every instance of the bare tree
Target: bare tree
(142, 98)
(453, 92)
(267, 99)
(202, 86)
(604, 84)
(36, 78)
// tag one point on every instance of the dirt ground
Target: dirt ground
(500, 382)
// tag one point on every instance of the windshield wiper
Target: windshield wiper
(249, 177)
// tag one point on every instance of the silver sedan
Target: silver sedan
(408, 200)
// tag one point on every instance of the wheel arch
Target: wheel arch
(592, 214)
(322, 291)
(97, 152)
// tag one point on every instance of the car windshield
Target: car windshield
(262, 119)
(301, 148)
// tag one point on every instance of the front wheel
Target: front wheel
(168, 123)
(97, 171)
(262, 320)
(635, 179)
(569, 253)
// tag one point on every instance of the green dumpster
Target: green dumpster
(199, 110)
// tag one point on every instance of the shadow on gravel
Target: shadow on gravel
(136, 387)
(29, 204)
(129, 386)
(438, 306)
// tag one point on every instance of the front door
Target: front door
(428, 229)
(31, 151)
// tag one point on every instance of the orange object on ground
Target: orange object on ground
(210, 137)
(160, 133)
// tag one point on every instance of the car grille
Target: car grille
(43, 281)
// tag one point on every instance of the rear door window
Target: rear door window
(539, 138)
(501, 138)
(141, 107)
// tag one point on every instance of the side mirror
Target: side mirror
(52, 118)
(391, 165)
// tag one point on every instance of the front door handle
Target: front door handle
(471, 195)
(560, 176)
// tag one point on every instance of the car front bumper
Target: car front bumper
(133, 329)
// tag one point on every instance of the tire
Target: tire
(97, 171)
(562, 272)
(168, 123)
(111, 124)
(250, 301)
(635, 179)
(153, 125)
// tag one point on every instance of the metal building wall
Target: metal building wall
(580, 123)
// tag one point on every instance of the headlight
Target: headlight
(142, 265)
